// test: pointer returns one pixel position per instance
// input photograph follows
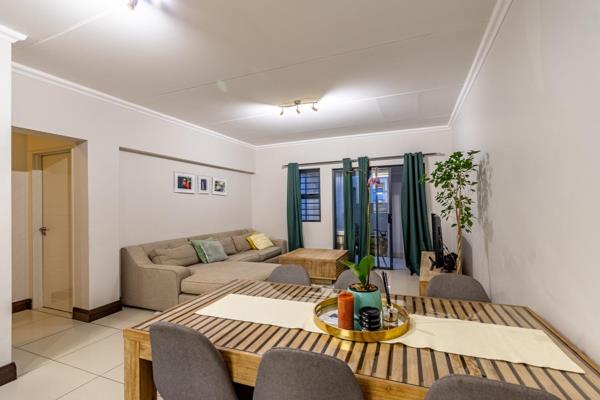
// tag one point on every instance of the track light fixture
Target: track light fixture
(297, 104)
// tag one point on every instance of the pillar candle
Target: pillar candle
(346, 310)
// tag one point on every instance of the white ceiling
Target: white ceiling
(376, 65)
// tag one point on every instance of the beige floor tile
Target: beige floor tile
(35, 330)
(66, 342)
(27, 361)
(99, 357)
(48, 382)
(98, 389)
(401, 282)
(25, 317)
(125, 318)
(116, 374)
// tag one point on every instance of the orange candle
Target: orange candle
(346, 310)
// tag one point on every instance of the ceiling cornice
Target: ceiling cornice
(491, 32)
(86, 91)
(11, 35)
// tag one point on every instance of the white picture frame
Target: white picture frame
(204, 184)
(219, 186)
(184, 183)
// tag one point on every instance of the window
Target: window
(310, 195)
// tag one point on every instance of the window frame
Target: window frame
(310, 196)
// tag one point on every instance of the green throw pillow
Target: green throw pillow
(209, 250)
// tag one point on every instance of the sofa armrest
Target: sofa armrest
(149, 285)
(281, 243)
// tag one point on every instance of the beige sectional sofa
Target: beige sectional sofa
(160, 284)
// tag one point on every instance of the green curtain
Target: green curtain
(363, 207)
(294, 216)
(349, 239)
(415, 226)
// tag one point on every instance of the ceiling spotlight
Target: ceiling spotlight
(132, 4)
(298, 105)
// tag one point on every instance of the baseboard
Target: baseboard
(8, 373)
(81, 314)
(21, 305)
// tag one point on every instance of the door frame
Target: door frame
(37, 221)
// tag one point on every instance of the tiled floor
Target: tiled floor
(60, 358)
(402, 282)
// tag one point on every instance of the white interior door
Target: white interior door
(57, 271)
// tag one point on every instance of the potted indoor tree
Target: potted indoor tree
(364, 292)
(453, 180)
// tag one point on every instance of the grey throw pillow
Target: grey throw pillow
(241, 244)
(209, 250)
(228, 245)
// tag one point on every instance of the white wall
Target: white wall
(46, 104)
(150, 210)
(533, 112)
(5, 203)
(270, 182)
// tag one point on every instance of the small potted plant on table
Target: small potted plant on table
(365, 293)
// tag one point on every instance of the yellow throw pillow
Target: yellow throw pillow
(251, 242)
(259, 241)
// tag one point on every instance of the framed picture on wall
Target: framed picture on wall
(219, 187)
(203, 184)
(184, 183)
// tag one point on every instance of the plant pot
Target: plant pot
(370, 298)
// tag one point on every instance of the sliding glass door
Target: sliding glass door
(384, 215)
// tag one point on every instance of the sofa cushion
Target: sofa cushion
(182, 255)
(209, 250)
(269, 252)
(228, 245)
(208, 277)
(250, 255)
(259, 241)
(241, 242)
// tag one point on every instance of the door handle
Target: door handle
(43, 230)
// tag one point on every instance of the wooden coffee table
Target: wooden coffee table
(322, 265)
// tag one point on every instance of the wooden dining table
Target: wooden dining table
(384, 371)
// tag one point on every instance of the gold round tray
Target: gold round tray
(359, 336)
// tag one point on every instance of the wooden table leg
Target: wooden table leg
(139, 384)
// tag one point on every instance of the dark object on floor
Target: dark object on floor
(290, 273)
(463, 387)
(187, 366)
(293, 374)
(459, 287)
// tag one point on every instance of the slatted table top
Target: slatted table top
(390, 362)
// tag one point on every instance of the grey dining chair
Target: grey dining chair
(290, 273)
(464, 387)
(293, 374)
(347, 278)
(187, 366)
(454, 286)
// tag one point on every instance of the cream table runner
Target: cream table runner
(467, 338)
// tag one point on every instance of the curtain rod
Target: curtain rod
(355, 160)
